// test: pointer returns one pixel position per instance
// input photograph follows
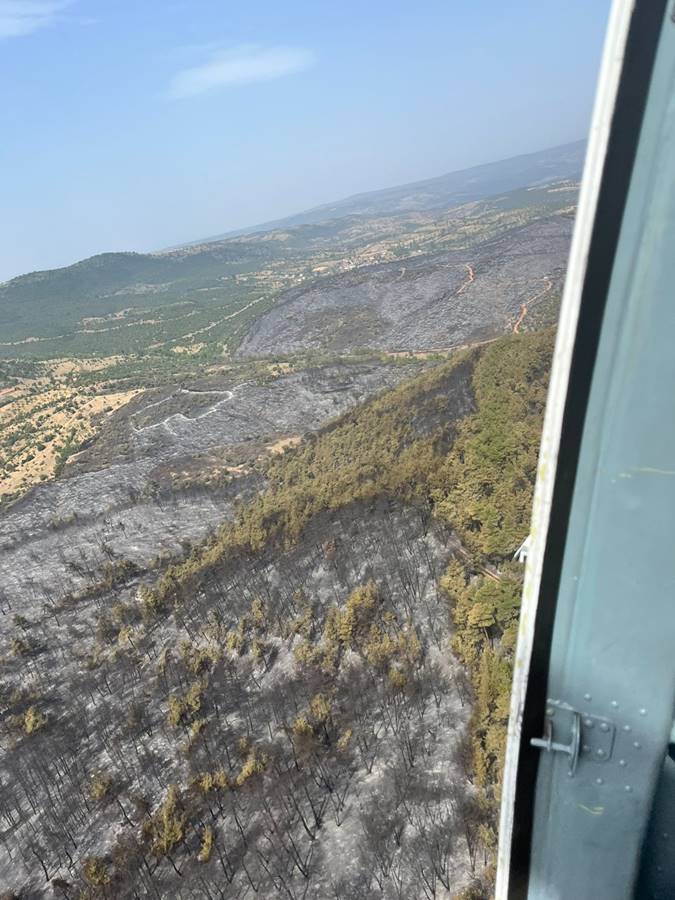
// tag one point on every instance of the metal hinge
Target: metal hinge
(588, 737)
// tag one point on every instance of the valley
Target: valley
(423, 282)
(208, 294)
(259, 499)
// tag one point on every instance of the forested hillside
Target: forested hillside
(312, 702)
(80, 343)
(260, 498)
(202, 299)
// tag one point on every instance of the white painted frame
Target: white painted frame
(603, 112)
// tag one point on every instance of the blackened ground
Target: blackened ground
(421, 303)
(164, 474)
(371, 798)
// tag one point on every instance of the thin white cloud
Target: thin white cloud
(241, 65)
(21, 17)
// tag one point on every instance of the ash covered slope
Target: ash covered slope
(209, 292)
(425, 302)
(166, 470)
(281, 708)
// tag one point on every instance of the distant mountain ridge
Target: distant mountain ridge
(127, 302)
(453, 189)
(462, 186)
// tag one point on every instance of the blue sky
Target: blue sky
(138, 125)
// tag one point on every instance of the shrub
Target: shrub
(95, 871)
(100, 786)
(33, 720)
(206, 848)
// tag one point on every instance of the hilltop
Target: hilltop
(81, 342)
(203, 298)
(445, 191)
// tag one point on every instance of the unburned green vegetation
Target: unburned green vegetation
(415, 443)
(202, 299)
(475, 471)
(324, 680)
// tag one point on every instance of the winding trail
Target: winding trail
(226, 318)
(519, 320)
(136, 322)
(227, 396)
(528, 303)
(470, 278)
(432, 350)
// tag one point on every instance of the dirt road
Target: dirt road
(528, 303)
(470, 278)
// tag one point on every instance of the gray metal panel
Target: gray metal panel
(613, 653)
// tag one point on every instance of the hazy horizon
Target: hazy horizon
(141, 129)
(251, 228)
